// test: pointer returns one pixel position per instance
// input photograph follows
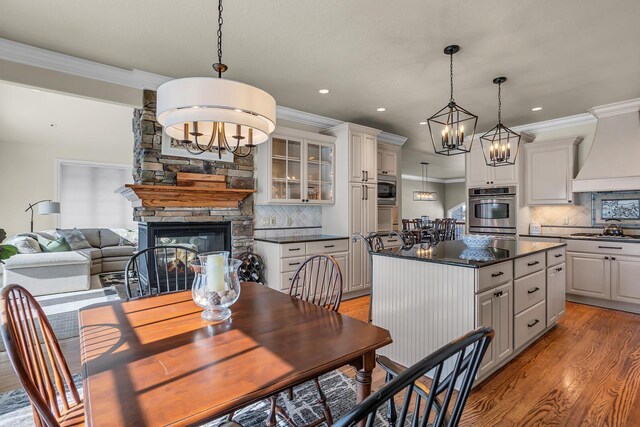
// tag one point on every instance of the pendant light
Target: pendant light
(500, 145)
(205, 114)
(449, 126)
(424, 195)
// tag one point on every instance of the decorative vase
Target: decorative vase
(216, 285)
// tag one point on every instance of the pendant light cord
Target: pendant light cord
(499, 103)
(451, 75)
(220, 22)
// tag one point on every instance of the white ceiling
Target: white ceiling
(565, 56)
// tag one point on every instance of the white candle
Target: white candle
(215, 273)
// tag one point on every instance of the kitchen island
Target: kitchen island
(428, 297)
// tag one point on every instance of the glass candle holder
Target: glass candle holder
(216, 285)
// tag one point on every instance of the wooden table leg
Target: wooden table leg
(364, 368)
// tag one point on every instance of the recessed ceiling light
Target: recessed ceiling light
(237, 110)
(536, 109)
(324, 91)
(422, 123)
(381, 109)
(53, 125)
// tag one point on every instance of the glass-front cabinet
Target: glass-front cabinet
(300, 169)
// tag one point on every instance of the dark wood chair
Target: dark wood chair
(41, 368)
(160, 270)
(451, 370)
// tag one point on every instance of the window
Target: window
(87, 197)
(459, 212)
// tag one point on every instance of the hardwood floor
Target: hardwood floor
(586, 371)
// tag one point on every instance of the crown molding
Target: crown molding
(430, 179)
(630, 106)
(305, 118)
(392, 138)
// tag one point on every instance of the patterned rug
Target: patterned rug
(15, 410)
(115, 282)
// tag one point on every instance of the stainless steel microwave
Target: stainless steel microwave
(387, 186)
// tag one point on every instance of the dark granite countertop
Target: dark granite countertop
(627, 239)
(455, 252)
(281, 240)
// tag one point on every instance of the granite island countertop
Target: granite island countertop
(595, 237)
(281, 240)
(455, 252)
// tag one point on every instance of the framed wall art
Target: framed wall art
(620, 206)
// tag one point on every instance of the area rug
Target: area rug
(115, 281)
(15, 409)
(62, 309)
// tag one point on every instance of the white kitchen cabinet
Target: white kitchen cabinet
(385, 219)
(387, 161)
(296, 167)
(625, 278)
(363, 157)
(549, 170)
(479, 174)
(556, 279)
(494, 308)
(588, 274)
(363, 221)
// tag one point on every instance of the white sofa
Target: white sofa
(49, 272)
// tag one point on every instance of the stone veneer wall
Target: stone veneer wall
(151, 167)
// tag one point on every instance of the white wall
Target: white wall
(84, 130)
(413, 209)
(454, 194)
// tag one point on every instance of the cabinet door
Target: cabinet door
(503, 319)
(369, 155)
(319, 173)
(380, 161)
(625, 283)
(503, 175)
(356, 161)
(477, 170)
(556, 278)
(343, 263)
(484, 317)
(390, 160)
(588, 275)
(358, 226)
(286, 170)
(548, 175)
(370, 213)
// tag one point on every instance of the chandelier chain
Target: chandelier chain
(220, 22)
(451, 75)
(499, 103)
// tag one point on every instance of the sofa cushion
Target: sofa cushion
(74, 238)
(108, 238)
(25, 244)
(91, 253)
(92, 235)
(45, 260)
(57, 245)
(115, 251)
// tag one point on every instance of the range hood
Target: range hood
(613, 164)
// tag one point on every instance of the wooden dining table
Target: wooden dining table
(154, 361)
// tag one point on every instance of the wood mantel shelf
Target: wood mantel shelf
(193, 190)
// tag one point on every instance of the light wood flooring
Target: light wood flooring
(585, 371)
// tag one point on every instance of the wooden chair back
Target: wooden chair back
(411, 224)
(41, 368)
(452, 369)
(160, 270)
(319, 281)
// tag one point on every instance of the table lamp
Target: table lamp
(46, 207)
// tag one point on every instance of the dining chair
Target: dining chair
(160, 270)
(36, 357)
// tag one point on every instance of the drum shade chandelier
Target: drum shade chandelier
(204, 114)
(449, 126)
(500, 144)
(425, 195)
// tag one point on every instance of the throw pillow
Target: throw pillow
(26, 245)
(125, 242)
(75, 239)
(57, 245)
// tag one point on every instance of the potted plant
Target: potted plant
(6, 251)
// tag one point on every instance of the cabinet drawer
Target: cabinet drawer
(392, 242)
(556, 256)
(291, 264)
(529, 323)
(530, 264)
(603, 247)
(494, 275)
(528, 291)
(327, 247)
(285, 280)
(292, 249)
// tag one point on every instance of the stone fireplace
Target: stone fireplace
(151, 167)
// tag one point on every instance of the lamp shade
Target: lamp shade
(207, 100)
(48, 208)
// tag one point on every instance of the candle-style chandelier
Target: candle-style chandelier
(199, 112)
(500, 144)
(425, 195)
(447, 126)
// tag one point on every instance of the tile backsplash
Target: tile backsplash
(578, 215)
(284, 216)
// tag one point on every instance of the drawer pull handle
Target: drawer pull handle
(534, 323)
(498, 274)
(294, 249)
(610, 247)
(558, 255)
(531, 291)
(559, 269)
(294, 263)
(531, 264)
(329, 246)
(498, 294)
(392, 241)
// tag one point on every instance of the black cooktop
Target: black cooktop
(604, 235)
